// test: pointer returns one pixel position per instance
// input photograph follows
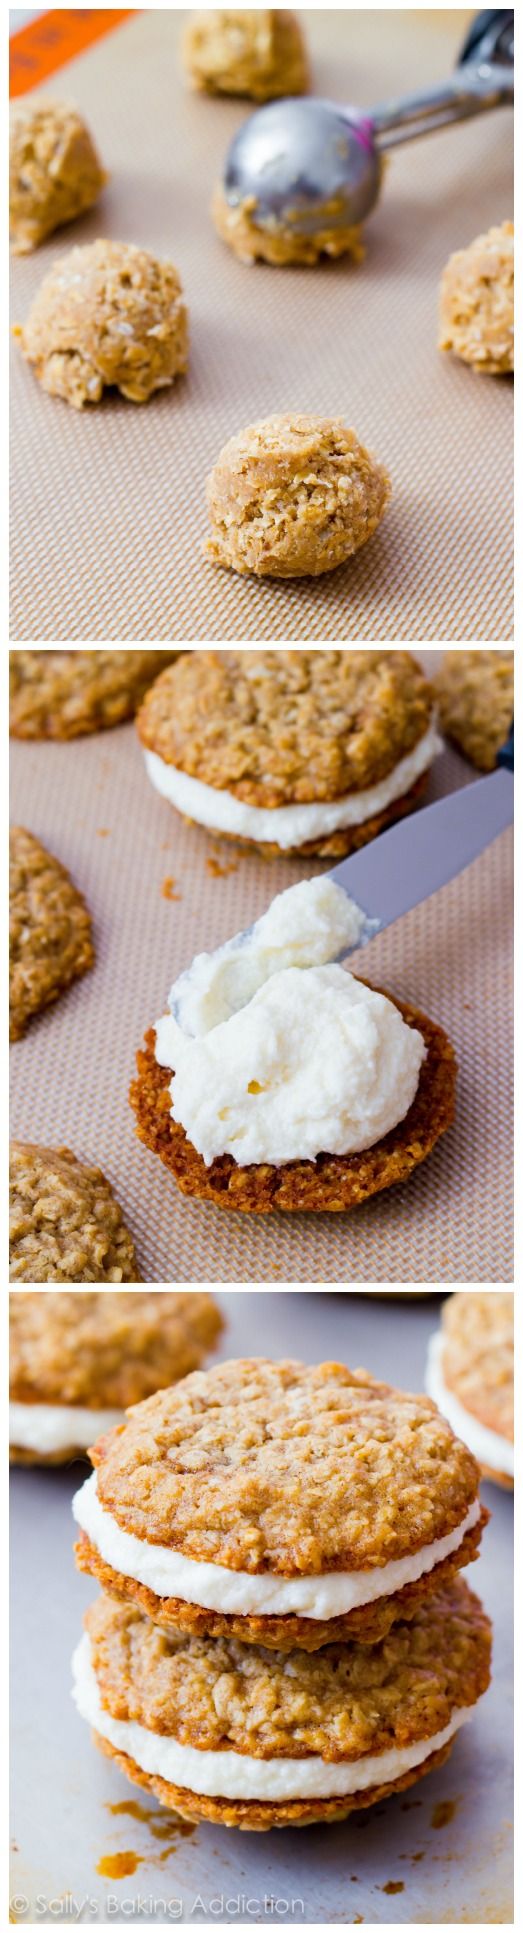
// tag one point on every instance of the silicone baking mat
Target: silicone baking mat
(150, 881)
(439, 1853)
(108, 507)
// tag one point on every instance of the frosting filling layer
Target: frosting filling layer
(214, 1588)
(487, 1445)
(288, 825)
(233, 1775)
(44, 1427)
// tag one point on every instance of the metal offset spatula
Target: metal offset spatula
(409, 862)
(303, 162)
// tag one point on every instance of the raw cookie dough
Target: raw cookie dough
(293, 496)
(50, 940)
(256, 52)
(65, 1225)
(279, 245)
(107, 316)
(475, 693)
(477, 302)
(54, 171)
(64, 694)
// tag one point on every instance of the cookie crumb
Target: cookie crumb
(219, 868)
(167, 888)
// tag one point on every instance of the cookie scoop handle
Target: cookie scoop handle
(414, 858)
(483, 78)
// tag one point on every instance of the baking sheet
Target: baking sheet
(394, 1863)
(91, 804)
(108, 507)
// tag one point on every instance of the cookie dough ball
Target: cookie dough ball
(477, 303)
(475, 693)
(281, 246)
(50, 942)
(64, 1222)
(259, 53)
(292, 497)
(54, 171)
(107, 316)
(64, 694)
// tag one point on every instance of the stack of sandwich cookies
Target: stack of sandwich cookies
(77, 1360)
(279, 1549)
(309, 752)
(470, 1375)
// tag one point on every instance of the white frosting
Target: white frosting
(214, 1588)
(316, 1062)
(233, 1775)
(44, 1427)
(288, 825)
(306, 926)
(490, 1448)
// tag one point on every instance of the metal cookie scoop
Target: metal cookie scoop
(301, 162)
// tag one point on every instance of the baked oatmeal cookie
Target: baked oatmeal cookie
(50, 939)
(256, 52)
(288, 1505)
(306, 1738)
(54, 171)
(297, 751)
(331, 1182)
(65, 1225)
(470, 1375)
(282, 246)
(63, 694)
(293, 496)
(78, 1359)
(475, 694)
(476, 316)
(107, 316)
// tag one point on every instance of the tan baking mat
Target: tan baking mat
(108, 508)
(91, 804)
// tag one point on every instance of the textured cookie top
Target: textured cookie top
(258, 52)
(475, 694)
(284, 727)
(343, 1702)
(49, 929)
(64, 1223)
(62, 694)
(478, 1357)
(110, 1349)
(264, 1466)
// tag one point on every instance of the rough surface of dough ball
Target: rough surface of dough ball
(293, 496)
(475, 694)
(54, 171)
(107, 316)
(280, 245)
(256, 52)
(476, 312)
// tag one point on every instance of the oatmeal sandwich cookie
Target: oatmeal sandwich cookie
(54, 170)
(293, 496)
(475, 695)
(470, 1375)
(107, 316)
(312, 752)
(281, 1505)
(64, 1222)
(50, 942)
(252, 1738)
(77, 1361)
(65, 694)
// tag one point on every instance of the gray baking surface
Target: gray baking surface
(91, 803)
(392, 1864)
(108, 507)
